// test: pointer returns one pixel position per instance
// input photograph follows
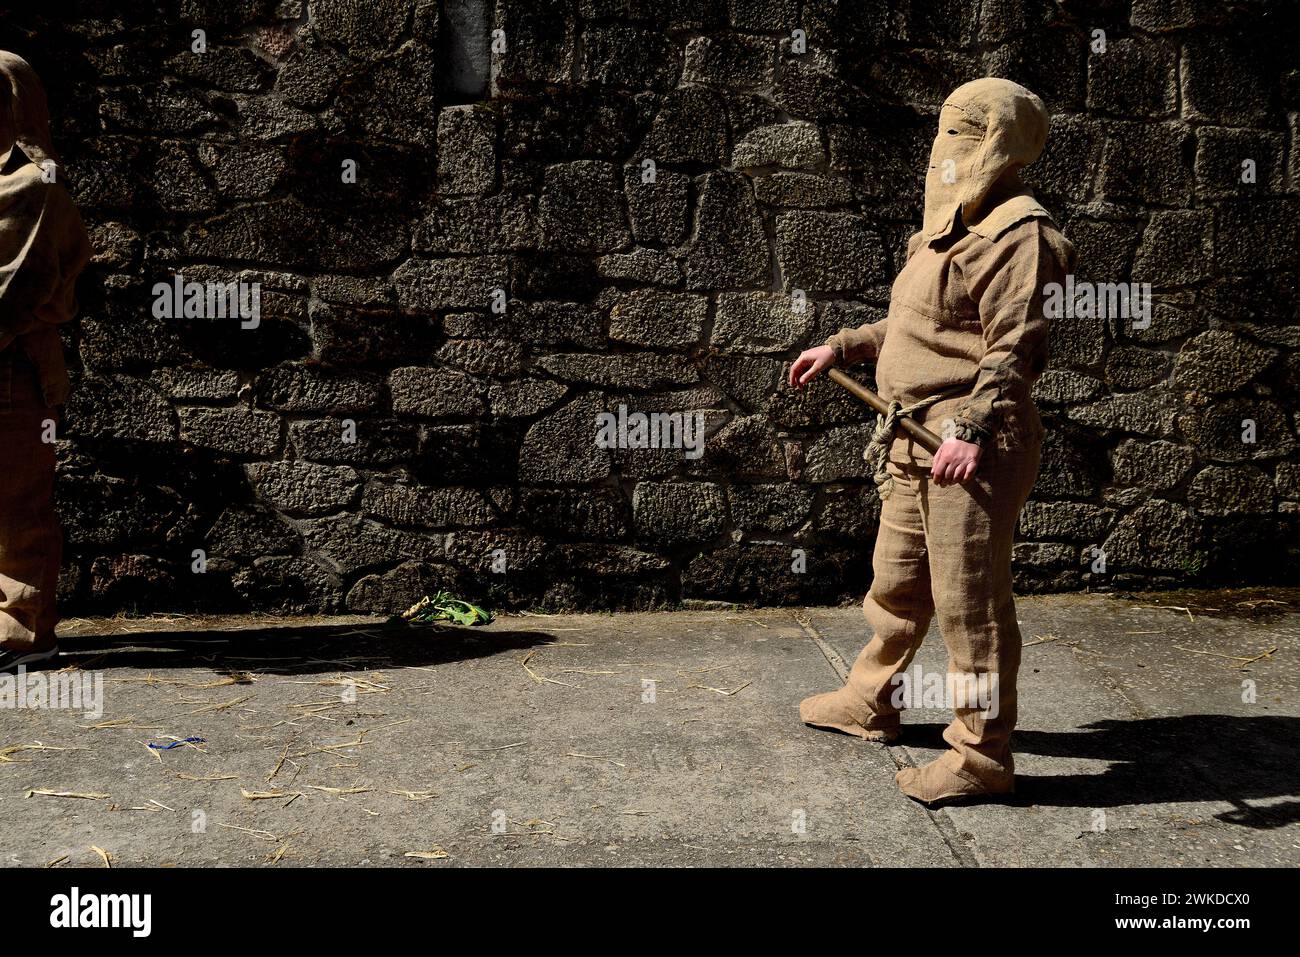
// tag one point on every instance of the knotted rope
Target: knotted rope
(877, 451)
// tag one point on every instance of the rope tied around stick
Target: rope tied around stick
(876, 453)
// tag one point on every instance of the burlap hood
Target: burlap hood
(988, 130)
(31, 113)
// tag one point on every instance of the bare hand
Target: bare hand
(956, 461)
(810, 364)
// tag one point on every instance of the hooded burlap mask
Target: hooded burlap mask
(31, 115)
(988, 130)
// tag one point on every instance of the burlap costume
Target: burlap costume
(43, 247)
(966, 314)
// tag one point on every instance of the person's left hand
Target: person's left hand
(956, 461)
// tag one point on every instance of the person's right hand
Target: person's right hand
(810, 364)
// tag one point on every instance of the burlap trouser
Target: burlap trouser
(946, 553)
(30, 542)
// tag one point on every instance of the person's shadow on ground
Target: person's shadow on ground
(1184, 758)
(296, 649)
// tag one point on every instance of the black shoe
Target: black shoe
(13, 660)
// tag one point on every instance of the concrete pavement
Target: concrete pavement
(651, 739)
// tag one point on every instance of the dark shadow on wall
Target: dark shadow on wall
(141, 496)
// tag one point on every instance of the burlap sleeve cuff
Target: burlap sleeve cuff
(837, 347)
(968, 431)
(852, 346)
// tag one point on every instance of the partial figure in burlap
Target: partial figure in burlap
(959, 351)
(43, 248)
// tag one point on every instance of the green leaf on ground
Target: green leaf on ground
(447, 607)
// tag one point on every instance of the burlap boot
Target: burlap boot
(944, 781)
(846, 710)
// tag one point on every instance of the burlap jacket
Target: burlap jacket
(966, 313)
(43, 248)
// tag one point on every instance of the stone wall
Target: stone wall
(386, 431)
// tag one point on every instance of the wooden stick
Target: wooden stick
(923, 436)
